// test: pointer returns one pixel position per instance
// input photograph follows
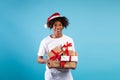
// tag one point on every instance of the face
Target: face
(57, 28)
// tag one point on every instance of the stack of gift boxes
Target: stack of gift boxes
(62, 57)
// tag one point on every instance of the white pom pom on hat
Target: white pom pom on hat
(46, 25)
(55, 15)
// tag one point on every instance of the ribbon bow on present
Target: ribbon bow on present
(66, 47)
(56, 55)
(62, 63)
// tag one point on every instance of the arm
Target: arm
(41, 60)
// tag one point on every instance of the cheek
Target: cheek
(53, 28)
(62, 27)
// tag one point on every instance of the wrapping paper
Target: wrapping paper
(62, 57)
(69, 61)
(55, 53)
(69, 58)
(53, 64)
(54, 57)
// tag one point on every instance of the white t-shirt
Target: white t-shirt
(47, 44)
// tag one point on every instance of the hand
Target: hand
(41, 60)
(48, 63)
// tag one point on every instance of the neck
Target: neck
(56, 35)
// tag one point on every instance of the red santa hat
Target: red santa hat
(53, 16)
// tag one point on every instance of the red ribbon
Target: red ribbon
(56, 55)
(69, 58)
(62, 63)
(66, 47)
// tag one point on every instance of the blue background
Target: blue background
(94, 27)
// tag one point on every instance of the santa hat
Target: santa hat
(53, 16)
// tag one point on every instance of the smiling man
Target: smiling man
(57, 23)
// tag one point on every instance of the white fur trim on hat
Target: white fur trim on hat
(54, 17)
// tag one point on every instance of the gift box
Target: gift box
(70, 65)
(54, 57)
(70, 60)
(62, 57)
(55, 53)
(73, 56)
(53, 64)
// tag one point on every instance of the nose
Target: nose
(57, 27)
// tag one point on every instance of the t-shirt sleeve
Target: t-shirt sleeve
(41, 50)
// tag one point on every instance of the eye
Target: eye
(60, 24)
(55, 24)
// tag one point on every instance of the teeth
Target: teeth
(57, 30)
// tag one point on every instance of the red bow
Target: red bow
(62, 63)
(56, 55)
(66, 47)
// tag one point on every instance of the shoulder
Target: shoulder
(45, 40)
(67, 37)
